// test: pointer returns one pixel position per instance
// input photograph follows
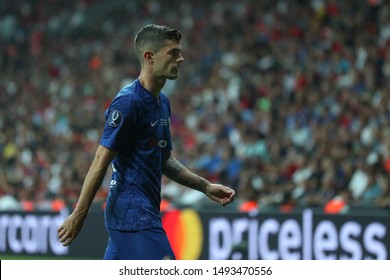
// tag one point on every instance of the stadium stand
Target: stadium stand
(286, 101)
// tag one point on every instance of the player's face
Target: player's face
(167, 61)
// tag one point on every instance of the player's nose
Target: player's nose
(180, 59)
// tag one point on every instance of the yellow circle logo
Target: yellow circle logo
(185, 233)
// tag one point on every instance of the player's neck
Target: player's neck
(152, 84)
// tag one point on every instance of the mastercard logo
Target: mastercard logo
(185, 233)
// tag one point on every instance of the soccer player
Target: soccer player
(136, 140)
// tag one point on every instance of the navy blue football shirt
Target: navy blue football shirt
(137, 128)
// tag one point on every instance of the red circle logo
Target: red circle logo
(185, 233)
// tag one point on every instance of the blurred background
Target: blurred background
(287, 102)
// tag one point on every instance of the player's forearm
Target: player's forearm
(91, 185)
(93, 180)
(177, 172)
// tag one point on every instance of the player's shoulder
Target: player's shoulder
(129, 90)
(126, 101)
(127, 94)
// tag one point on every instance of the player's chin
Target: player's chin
(173, 77)
(174, 74)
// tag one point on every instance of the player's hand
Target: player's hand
(70, 228)
(221, 194)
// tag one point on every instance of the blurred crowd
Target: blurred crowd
(288, 102)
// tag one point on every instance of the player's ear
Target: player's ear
(148, 56)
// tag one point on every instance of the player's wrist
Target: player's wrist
(204, 185)
(80, 212)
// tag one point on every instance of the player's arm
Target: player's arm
(177, 172)
(68, 231)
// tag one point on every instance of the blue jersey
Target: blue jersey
(137, 128)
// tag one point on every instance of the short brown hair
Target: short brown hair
(152, 37)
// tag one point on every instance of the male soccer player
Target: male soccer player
(137, 141)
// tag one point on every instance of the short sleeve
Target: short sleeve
(119, 126)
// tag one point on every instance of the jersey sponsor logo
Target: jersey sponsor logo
(155, 142)
(162, 143)
(185, 233)
(115, 118)
(152, 143)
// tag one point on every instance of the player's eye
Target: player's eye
(175, 52)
